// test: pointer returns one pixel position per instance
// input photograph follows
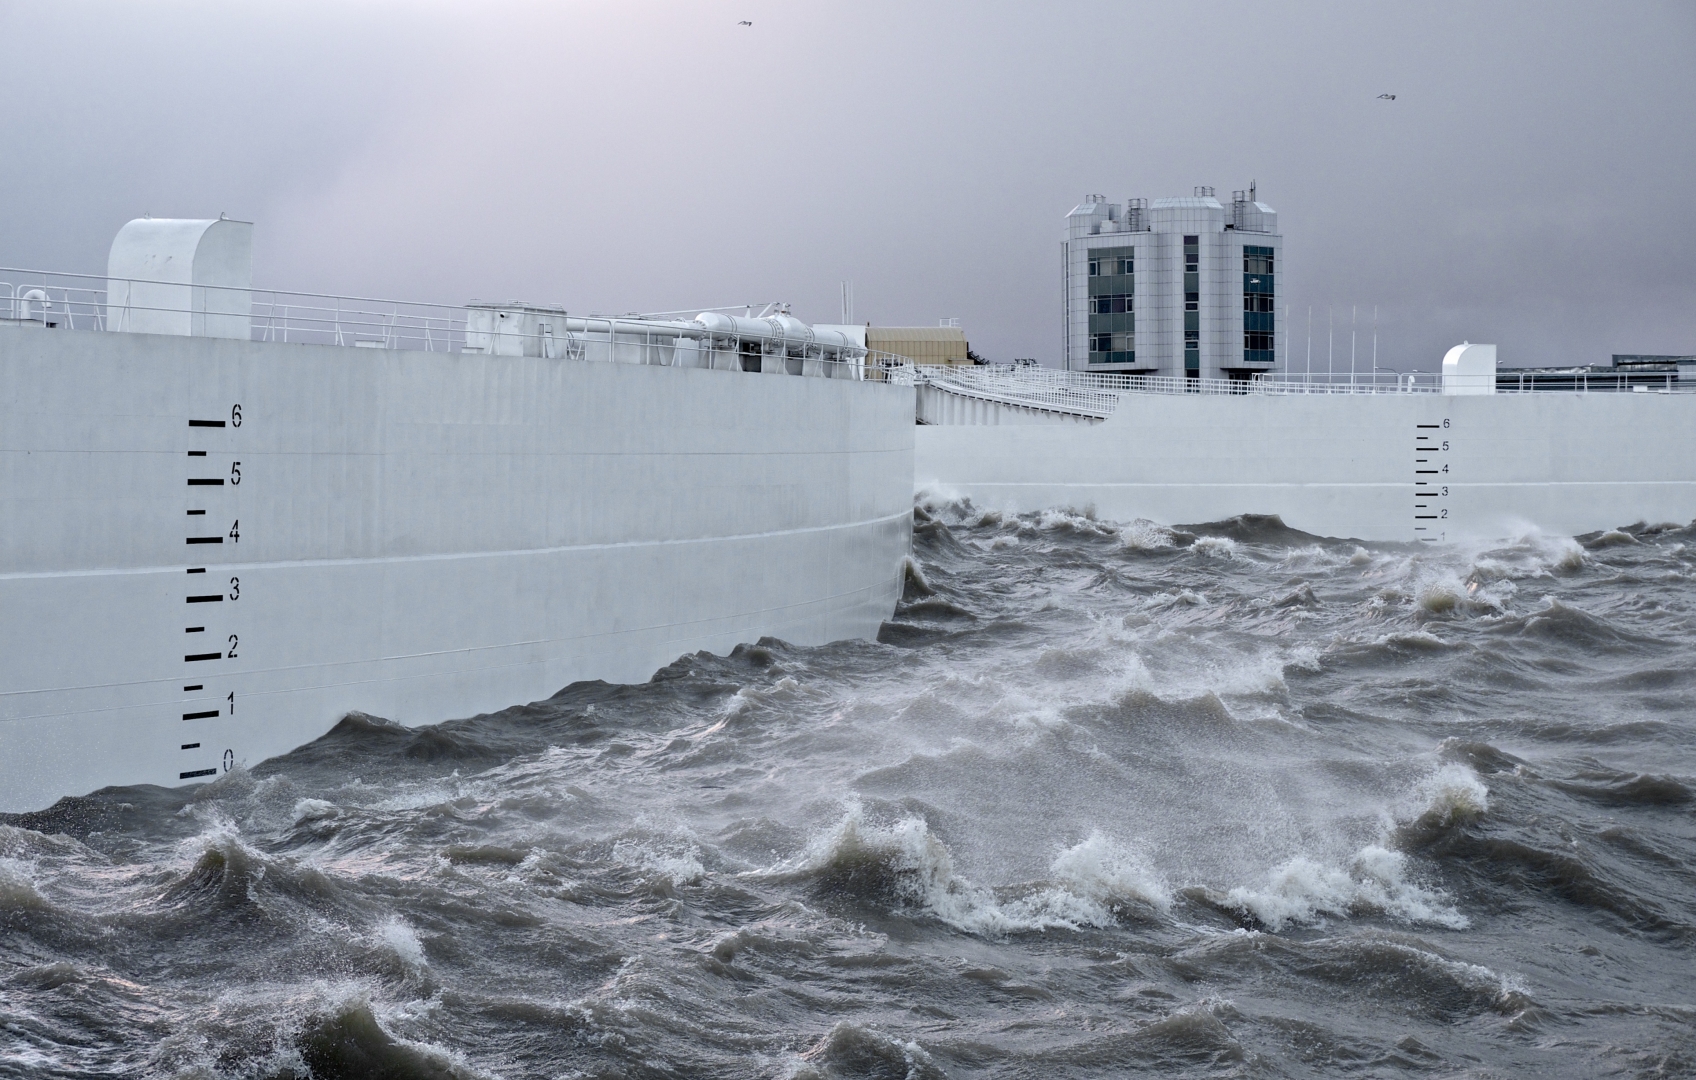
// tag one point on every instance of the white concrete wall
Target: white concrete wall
(1345, 466)
(421, 536)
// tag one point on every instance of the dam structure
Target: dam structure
(1470, 453)
(229, 517)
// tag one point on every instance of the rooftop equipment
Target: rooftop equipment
(188, 277)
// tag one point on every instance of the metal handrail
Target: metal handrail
(80, 301)
(1097, 393)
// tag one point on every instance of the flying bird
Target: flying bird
(746, 22)
(1381, 97)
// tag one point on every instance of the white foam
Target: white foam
(1216, 546)
(17, 887)
(1144, 535)
(1453, 793)
(1304, 891)
(1440, 597)
(1090, 882)
(398, 936)
(1416, 638)
(314, 809)
(677, 868)
(1103, 870)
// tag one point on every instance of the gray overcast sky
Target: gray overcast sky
(1533, 183)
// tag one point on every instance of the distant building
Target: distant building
(923, 344)
(1178, 287)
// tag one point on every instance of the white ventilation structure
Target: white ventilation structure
(188, 277)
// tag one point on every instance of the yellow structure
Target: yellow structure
(921, 344)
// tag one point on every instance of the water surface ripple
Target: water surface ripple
(1104, 799)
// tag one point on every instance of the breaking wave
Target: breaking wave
(902, 865)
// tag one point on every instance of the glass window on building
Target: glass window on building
(1094, 267)
(1259, 303)
(1114, 348)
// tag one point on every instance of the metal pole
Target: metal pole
(1310, 343)
(1353, 310)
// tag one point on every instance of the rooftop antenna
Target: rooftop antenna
(1251, 191)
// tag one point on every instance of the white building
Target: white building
(1179, 286)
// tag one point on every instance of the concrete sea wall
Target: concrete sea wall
(1402, 467)
(211, 550)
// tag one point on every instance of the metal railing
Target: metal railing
(53, 300)
(1097, 393)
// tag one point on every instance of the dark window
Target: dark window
(1192, 241)
(1257, 342)
(1115, 348)
(1127, 266)
(1111, 305)
(1192, 301)
(1257, 260)
(1094, 267)
(1259, 302)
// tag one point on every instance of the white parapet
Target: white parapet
(1470, 369)
(183, 276)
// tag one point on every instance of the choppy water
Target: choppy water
(1233, 801)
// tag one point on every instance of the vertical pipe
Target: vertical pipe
(1354, 309)
(1310, 344)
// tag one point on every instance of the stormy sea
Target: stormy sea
(1103, 799)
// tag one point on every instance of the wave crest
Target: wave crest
(902, 864)
(1302, 891)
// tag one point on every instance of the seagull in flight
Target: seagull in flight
(746, 22)
(1381, 97)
